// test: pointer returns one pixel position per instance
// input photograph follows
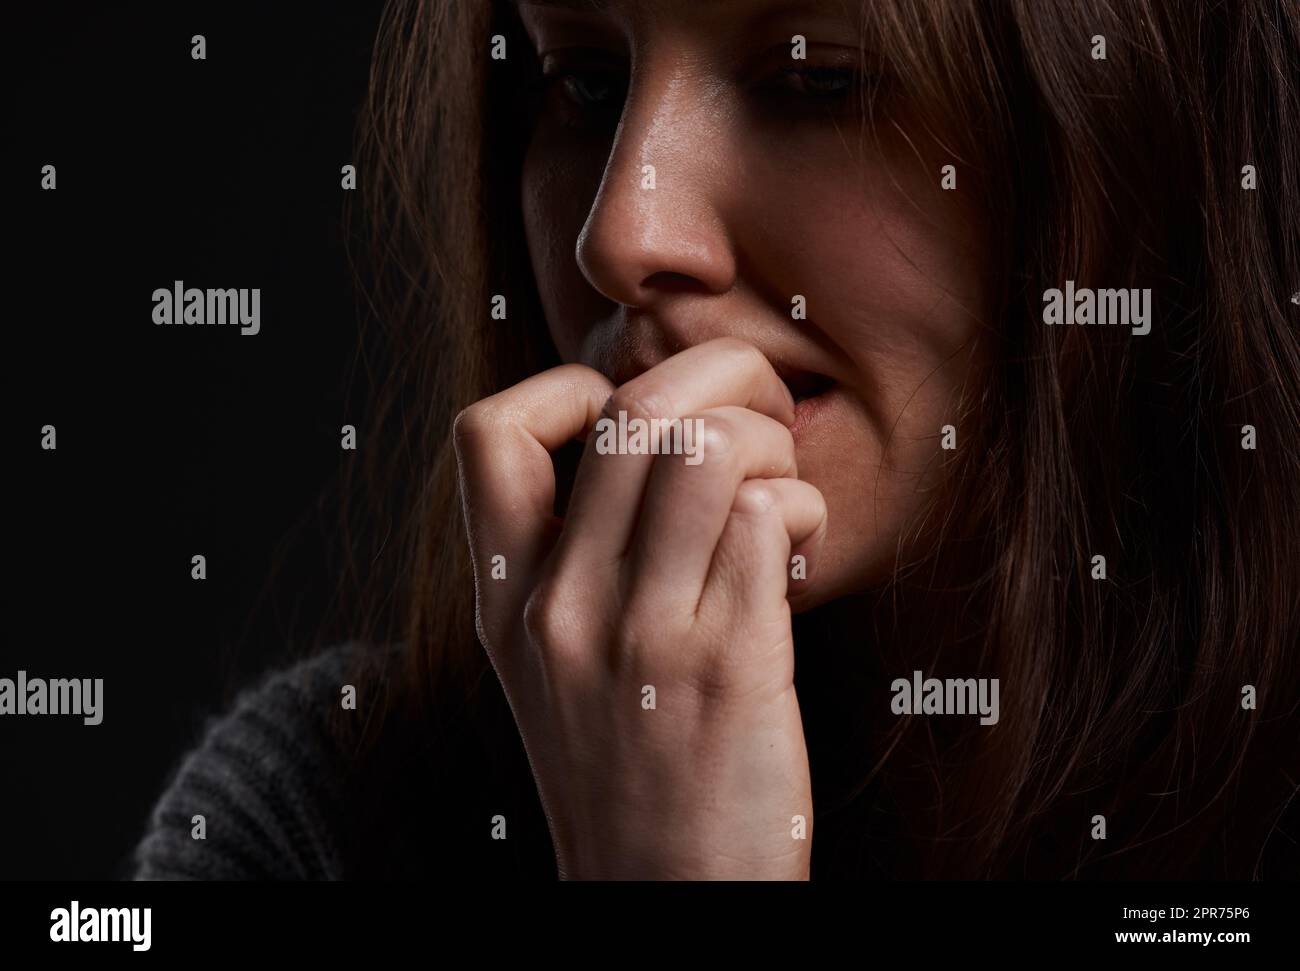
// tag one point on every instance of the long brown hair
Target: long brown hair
(1121, 697)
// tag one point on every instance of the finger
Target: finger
(751, 565)
(687, 505)
(608, 490)
(507, 480)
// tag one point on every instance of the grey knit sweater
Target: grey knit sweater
(266, 780)
(283, 799)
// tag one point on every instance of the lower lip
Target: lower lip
(807, 410)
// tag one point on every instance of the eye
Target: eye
(828, 83)
(581, 88)
(589, 90)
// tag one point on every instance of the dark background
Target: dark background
(172, 441)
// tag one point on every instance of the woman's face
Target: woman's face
(763, 191)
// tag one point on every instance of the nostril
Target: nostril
(670, 282)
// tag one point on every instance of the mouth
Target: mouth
(805, 385)
(809, 389)
(812, 393)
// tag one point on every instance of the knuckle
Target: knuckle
(756, 498)
(755, 357)
(581, 372)
(819, 500)
(735, 345)
(474, 423)
(548, 617)
(638, 400)
(717, 440)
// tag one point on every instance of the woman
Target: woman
(834, 241)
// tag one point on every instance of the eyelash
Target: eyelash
(806, 75)
(851, 75)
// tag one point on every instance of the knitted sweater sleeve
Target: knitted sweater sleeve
(266, 780)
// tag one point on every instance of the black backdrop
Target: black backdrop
(172, 441)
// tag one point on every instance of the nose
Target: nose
(656, 223)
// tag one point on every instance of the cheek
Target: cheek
(891, 266)
(893, 273)
(911, 299)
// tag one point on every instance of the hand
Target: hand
(662, 575)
